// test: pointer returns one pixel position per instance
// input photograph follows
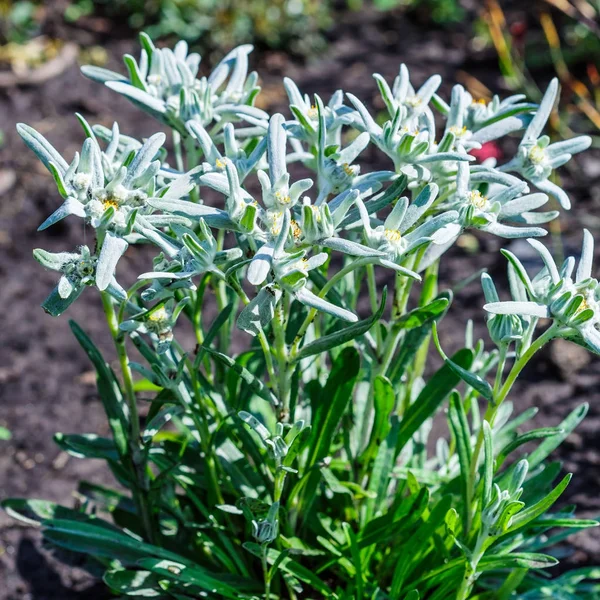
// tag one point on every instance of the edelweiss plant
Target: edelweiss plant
(286, 453)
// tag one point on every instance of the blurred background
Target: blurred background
(489, 46)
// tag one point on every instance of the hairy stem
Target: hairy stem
(137, 456)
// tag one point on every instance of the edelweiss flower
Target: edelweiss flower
(573, 304)
(78, 270)
(185, 257)
(158, 322)
(500, 204)
(409, 142)
(396, 237)
(164, 83)
(214, 161)
(471, 123)
(536, 158)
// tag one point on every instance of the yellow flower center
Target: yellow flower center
(106, 204)
(477, 199)
(537, 155)
(313, 112)
(159, 315)
(480, 101)
(220, 164)
(458, 131)
(348, 169)
(282, 198)
(296, 230)
(583, 306)
(392, 235)
(413, 101)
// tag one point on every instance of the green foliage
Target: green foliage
(289, 450)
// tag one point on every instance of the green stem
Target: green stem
(282, 363)
(357, 264)
(499, 397)
(265, 566)
(137, 456)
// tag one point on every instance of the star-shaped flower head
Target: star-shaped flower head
(117, 201)
(408, 138)
(215, 161)
(492, 201)
(158, 322)
(536, 157)
(164, 84)
(336, 172)
(402, 232)
(184, 257)
(305, 127)
(471, 123)
(572, 302)
(78, 270)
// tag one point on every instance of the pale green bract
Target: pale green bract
(285, 448)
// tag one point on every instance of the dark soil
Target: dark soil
(46, 384)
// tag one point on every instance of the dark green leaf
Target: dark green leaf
(333, 340)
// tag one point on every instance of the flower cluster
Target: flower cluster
(569, 298)
(286, 237)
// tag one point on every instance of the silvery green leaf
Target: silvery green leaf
(113, 248)
(293, 92)
(419, 206)
(309, 299)
(591, 337)
(584, 269)
(523, 204)
(349, 154)
(54, 260)
(65, 287)
(55, 305)
(182, 185)
(369, 124)
(240, 69)
(69, 207)
(483, 174)
(398, 268)
(429, 88)
(101, 75)
(489, 289)
(498, 129)
(349, 247)
(211, 153)
(168, 220)
(255, 424)
(536, 218)
(144, 157)
(542, 115)
(508, 232)
(555, 191)
(572, 146)
(256, 315)
(276, 143)
(342, 336)
(261, 264)
(251, 114)
(532, 309)
(547, 258)
(143, 100)
(446, 156)
(519, 271)
(116, 291)
(42, 148)
(429, 227)
(215, 217)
